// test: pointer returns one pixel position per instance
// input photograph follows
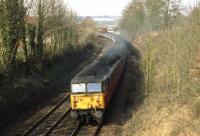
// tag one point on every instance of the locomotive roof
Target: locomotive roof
(97, 71)
(100, 69)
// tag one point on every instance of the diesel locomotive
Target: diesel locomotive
(93, 88)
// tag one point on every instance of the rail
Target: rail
(46, 116)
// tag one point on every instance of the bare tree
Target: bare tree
(133, 17)
(142, 15)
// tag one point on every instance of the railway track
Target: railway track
(58, 120)
(51, 115)
(77, 129)
(49, 122)
(87, 130)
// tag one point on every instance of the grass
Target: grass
(171, 66)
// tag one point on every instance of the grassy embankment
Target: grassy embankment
(171, 65)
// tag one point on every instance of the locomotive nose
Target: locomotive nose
(95, 101)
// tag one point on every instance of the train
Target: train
(93, 88)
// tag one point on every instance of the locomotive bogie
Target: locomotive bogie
(87, 115)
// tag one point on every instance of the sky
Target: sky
(104, 7)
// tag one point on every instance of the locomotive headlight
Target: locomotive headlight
(78, 88)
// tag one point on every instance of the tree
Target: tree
(22, 32)
(133, 17)
(40, 30)
(171, 10)
(87, 29)
(31, 30)
(11, 16)
(142, 15)
(154, 13)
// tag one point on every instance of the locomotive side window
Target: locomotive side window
(94, 87)
(78, 88)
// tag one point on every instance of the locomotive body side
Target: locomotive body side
(113, 79)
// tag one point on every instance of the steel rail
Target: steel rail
(77, 129)
(98, 129)
(58, 122)
(46, 116)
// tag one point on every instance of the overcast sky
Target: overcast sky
(104, 7)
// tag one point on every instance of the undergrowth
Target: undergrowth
(21, 92)
(171, 66)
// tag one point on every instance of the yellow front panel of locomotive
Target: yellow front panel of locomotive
(89, 101)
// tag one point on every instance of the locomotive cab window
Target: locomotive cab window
(94, 87)
(78, 88)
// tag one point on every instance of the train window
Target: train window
(94, 87)
(78, 88)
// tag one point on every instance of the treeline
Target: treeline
(142, 15)
(34, 30)
(169, 42)
(157, 27)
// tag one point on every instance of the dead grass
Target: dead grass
(170, 64)
(160, 117)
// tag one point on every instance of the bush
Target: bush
(171, 65)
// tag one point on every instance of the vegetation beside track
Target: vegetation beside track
(170, 63)
(41, 43)
(26, 91)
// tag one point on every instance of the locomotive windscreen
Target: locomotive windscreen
(94, 87)
(78, 88)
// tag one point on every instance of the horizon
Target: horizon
(94, 7)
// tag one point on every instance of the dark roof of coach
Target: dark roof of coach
(100, 69)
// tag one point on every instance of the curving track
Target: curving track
(49, 122)
(45, 122)
(54, 113)
(57, 121)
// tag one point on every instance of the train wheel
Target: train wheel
(82, 119)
